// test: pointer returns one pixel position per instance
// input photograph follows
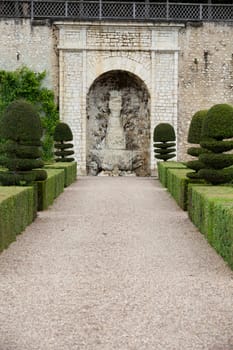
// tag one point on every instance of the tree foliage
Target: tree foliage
(26, 84)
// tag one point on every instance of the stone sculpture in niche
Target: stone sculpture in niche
(118, 129)
(115, 136)
(113, 158)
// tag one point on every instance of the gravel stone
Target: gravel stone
(114, 264)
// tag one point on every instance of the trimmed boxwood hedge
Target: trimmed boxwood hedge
(19, 205)
(177, 185)
(69, 168)
(216, 128)
(50, 188)
(21, 128)
(218, 123)
(216, 160)
(16, 212)
(62, 135)
(217, 146)
(211, 210)
(164, 166)
(194, 137)
(222, 233)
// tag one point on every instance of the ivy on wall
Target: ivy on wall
(26, 84)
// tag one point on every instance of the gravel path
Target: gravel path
(114, 264)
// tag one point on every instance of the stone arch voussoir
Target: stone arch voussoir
(124, 64)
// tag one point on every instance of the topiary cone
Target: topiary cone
(163, 134)
(22, 130)
(62, 135)
(217, 127)
(194, 136)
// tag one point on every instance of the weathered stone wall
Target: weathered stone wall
(34, 46)
(184, 67)
(205, 73)
(134, 116)
(88, 50)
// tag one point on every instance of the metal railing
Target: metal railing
(104, 10)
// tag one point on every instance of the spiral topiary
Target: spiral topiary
(217, 126)
(63, 134)
(21, 153)
(194, 136)
(164, 149)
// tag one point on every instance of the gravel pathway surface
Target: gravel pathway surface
(114, 264)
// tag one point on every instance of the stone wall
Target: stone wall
(34, 46)
(134, 114)
(183, 67)
(89, 50)
(205, 72)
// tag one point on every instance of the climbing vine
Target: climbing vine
(26, 84)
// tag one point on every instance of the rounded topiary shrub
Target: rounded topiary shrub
(164, 147)
(217, 126)
(21, 152)
(64, 150)
(218, 122)
(194, 136)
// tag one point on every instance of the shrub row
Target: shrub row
(16, 212)
(173, 175)
(177, 185)
(69, 168)
(211, 210)
(164, 166)
(50, 189)
(18, 205)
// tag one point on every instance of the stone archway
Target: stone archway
(87, 51)
(118, 125)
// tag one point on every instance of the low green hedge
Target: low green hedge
(50, 189)
(177, 185)
(70, 169)
(211, 210)
(16, 212)
(222, 234)
(164, 166)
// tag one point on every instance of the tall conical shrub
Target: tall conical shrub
(217, 127)
(194, 136)
(164, 135)
(62, 135)
(21, 153)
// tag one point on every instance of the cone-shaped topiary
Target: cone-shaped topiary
(194, 136)
(217, 126)
(164, 149)
(21, 153)
(63, 134)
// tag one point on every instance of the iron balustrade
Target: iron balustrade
(106, 10)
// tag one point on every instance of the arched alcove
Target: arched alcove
(124, 96)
